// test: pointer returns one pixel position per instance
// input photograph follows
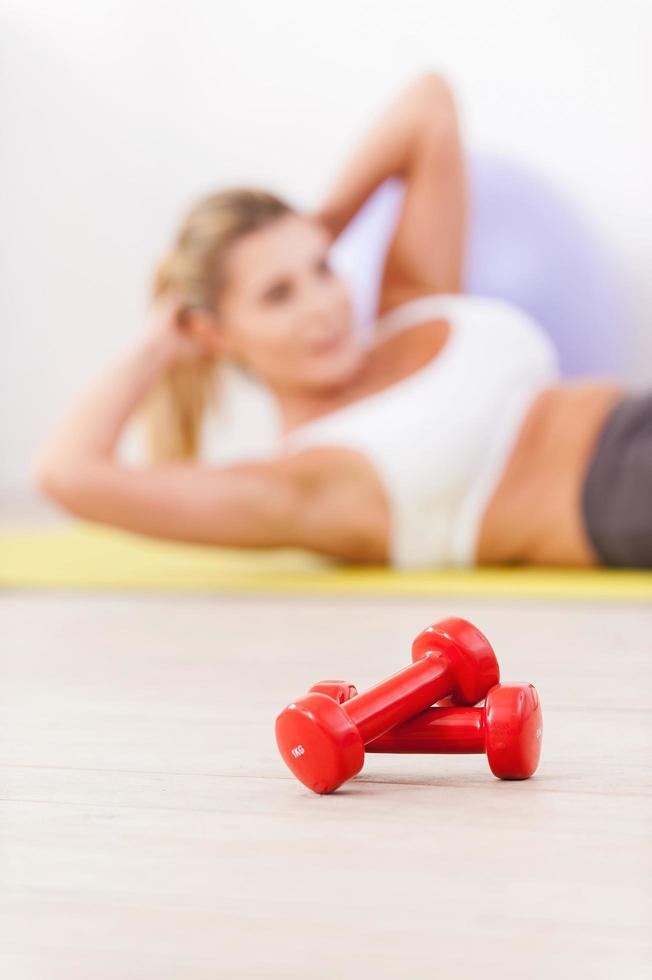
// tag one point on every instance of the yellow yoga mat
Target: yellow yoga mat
(80, 555)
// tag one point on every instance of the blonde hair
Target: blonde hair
(194, 268)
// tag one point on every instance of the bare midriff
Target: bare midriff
(535, 514)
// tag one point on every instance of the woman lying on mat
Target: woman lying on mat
(447, 439)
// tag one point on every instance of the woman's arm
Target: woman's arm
(91, 430)
(248, 505)
(255, 505)
(387, 149)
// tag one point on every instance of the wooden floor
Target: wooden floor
(149, 828)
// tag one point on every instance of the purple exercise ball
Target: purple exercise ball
(527, 244)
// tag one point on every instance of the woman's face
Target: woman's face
(284, 313)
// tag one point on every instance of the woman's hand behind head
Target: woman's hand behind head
(179, 332)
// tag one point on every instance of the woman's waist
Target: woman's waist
(539, 487)
(563, 424)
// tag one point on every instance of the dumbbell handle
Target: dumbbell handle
(401, 696)
(445, 730)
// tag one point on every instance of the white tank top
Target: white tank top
(441, 438)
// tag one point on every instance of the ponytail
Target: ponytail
(173, 410)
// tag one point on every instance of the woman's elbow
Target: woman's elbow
(43, 477)
(55, 482)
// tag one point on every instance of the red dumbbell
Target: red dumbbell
(508, 728)
(323, 742)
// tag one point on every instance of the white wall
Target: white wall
(116, 114)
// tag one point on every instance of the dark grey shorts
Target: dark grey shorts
(617, 490)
